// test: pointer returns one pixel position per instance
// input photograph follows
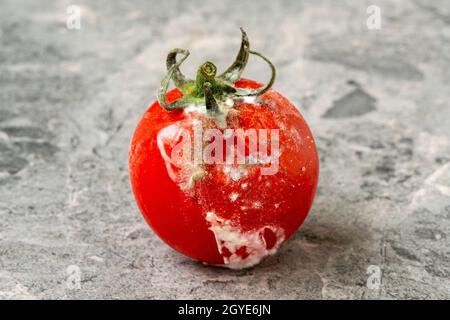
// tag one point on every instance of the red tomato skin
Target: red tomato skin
(279, 201)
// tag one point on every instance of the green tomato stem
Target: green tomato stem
(207, 85)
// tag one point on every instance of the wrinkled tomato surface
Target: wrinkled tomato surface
(224, 214)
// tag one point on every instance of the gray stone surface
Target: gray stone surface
(376, 100)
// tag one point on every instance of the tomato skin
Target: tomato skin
(199, 221)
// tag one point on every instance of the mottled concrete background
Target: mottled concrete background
(377, 102)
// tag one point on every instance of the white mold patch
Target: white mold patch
(257, 205)
(193, 108)
(249, 99)
(235, 173)
(180, 170)
(233, 196)
(243, 249)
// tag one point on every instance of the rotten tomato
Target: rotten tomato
(223, 169)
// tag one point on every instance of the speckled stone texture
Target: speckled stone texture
(377, 102)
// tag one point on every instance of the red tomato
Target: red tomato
(224, 213)
(230, 215)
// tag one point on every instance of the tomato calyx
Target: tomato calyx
(207, 88)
